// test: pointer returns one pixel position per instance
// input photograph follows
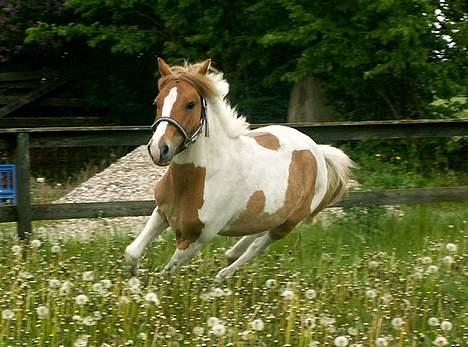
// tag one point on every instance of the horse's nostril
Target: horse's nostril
(163, 150)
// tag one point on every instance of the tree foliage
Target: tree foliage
(378, 58)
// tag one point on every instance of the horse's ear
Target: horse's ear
(164, 69)
(204, 67)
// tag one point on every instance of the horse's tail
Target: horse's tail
(339, 167)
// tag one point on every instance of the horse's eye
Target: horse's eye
(190, 105)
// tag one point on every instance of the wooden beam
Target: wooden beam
(50, 101)
(49, 121)
(144, 208)
(23, 198)
(21, 75)
(32, 96)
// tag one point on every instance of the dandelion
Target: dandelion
(373, 264)
(446, 325)
(81, 341)
(8, 314)
(42, 312)
(142, 336)
(36, 243)
(418, 275)
(54, 283)
(387, 298)
(327, 321)
(97, 315)
(152, 298)
(198, 331)
(310, 294)
(314, 344)
(212, 321)
(227, 292)
(77, 318)
(98, 288)
(309, 322)
(107, 283)
(88, 321)
(133, 282)
(88, 276)
(440, 341)
(447, 260)
(218, 329)
(217, 292)
(81, 299)
(65, 288)
(26, 275)
(352, 331)
(40, 179)
(244, 335)
(451, 247)
(287, 294)
(432, 269)
(371, 293)
(16, 250)
(397, 322)
(270, 283)
(257, 324)
(381, 342)
(55, 249)
(105, 345)
(426, 260)
(433, 321)
(341, 341)
(123, 300)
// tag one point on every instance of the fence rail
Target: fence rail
(22, 139)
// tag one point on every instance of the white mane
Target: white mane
(234, 124)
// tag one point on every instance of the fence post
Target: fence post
(23, 198)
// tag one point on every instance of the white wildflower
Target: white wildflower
(88, 276)
(107, 283)
(381, 342)
(440, 341)
(397, 322)
(142, 336)
(373, 264)
(77, 318)
(387, 298)
(288, 294)
(314, 344)
(42, 312)
(270, 283)
(124, 300)
(218, 329)
(371, 293)
(16, 250)
(212, 321)
(26, 275)
(99, 288)
(54, 283)
(433, 321)
(352, 331)
(227, 292)
(36, 243)
(244, 335)
(447, 260)
(65, 288)
(451, 247)
(81, 299)
(431, 269)
(152, 297)
(309, 322)
(55, 249)
(426, 260)
(341, 341)
(257, 324)
(133, 282)
(198, 331)
(216, 292)
(8, 314)
(310, 294)
(446, 325)
(89, 321)
(418, 275)
(97, 315)
(40, 179)
(81, 341)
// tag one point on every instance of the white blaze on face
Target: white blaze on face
(168, 103)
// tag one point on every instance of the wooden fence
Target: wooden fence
(22, 139)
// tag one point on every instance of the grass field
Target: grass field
(371, 278)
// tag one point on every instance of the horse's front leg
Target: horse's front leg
(185, 251)
(153, 228)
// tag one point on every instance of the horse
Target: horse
(224, 178)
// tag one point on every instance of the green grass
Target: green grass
(366, 269)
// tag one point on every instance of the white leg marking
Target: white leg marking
(153, 228)
(240, 247)
(257, 247)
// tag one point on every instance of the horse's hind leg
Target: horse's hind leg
(233, 253)
(153, 228)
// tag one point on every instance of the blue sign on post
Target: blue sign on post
(7, 184)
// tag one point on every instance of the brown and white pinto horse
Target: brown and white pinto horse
(224, 179)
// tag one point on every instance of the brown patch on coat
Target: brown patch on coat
(299, 194)
(265, 139)
(179, 196)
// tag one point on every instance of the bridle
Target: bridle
(189, 139)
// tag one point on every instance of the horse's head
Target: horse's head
(180, 113)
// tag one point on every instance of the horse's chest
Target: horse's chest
(179, 195)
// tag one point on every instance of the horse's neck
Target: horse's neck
(215, 148)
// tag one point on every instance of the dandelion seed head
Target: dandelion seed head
(352, 331)
(314, 344)
(36, 243)
(373, 264)
(8, 314)
(54, 283)
(198, 331)
(81, 341)
(257, 324)
(133, 282)
(216, 292)
(55, 249)
(440, 341)
(371, 293)
(451, 247)
(88, 276)
(397, 322)
(152, 297)
(288, 294)
(433, 321)
(107, 283)
(270, 283)
(212, 321)
(381, 342)
(309, 322)
(218, 329)
(16, 250)
(310, 294)
(426, 260)
(81, 299)
(341, 341)
(88, 321)
(124, 300)
(446, 325)
(143, 336)
(42, 312)
(244, 335)
(447, 260)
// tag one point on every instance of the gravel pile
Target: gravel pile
(132, 177)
